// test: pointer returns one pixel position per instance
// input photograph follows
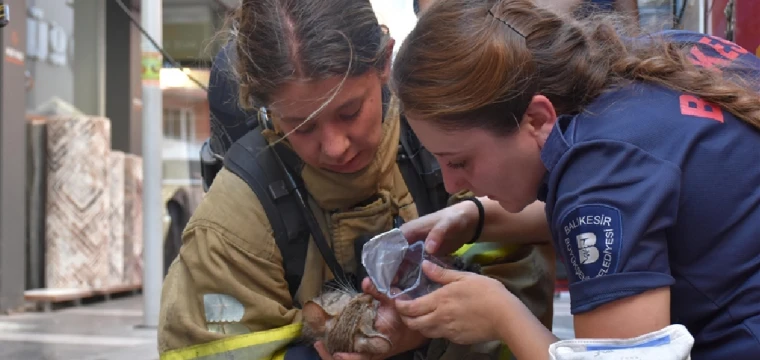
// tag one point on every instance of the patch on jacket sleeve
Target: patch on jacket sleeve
(592, 241)
(221, 308)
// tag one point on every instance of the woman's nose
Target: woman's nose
(452, 181)
(335, 142)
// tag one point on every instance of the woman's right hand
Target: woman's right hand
(446, 230)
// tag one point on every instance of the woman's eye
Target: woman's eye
(457, 165)
(351, 115)
(306, 129)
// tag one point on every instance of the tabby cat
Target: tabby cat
(344, 320)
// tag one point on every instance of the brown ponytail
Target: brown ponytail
(668, 64)
(467, 63)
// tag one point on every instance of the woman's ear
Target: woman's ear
(540, 118)
(386, 74)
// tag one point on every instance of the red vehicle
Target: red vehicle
(738, 21)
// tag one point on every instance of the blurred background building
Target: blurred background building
(82, 58)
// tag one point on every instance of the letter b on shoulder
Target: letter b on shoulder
(591, 241)
(587, 250)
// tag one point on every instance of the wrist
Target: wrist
(474, 214)
(479, 218)
(532, 224)
(504, 315)
(514, 322)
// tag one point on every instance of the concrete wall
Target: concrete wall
(12, 161)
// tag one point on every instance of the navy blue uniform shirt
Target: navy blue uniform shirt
(604, 4)
(650, 188)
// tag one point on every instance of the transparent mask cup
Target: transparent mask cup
(395, 266)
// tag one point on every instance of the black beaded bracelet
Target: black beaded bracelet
(481, 218)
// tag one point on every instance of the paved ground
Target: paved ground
(102, 331)
(563, 321)
(110, 331)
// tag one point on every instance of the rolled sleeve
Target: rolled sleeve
(615, 205)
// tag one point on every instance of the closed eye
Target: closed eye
(459, 165)
(352, 115)
(305, 129)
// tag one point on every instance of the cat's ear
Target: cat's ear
(314, 316)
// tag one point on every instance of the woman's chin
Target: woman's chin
(510, 206)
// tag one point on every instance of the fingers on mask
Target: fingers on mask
(431, 246)
(439, 274)
(369, 288)
(435, 237)
(417, 307)
(427, 325)
(417, 229)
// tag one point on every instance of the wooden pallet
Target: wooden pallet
(106, 292)
(45, 298)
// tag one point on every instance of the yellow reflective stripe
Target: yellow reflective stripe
(493, 256)
(486, 253)
(280, 355)
(462, 250)
(505, 354)
(267, 344)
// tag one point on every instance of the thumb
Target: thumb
(322, 351)
(439, 274)
(369, 288)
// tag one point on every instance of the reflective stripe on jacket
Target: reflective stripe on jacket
(268, 344)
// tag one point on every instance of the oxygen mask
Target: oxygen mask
(395, 266)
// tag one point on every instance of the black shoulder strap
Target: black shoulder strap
(281, 194)
(421, 172)
(250, 159)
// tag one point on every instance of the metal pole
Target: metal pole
(13, 142)
(152, 131)
(702, 16)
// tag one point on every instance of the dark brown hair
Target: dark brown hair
(478, 63)
(284, 40)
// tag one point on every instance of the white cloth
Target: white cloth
(671, 343)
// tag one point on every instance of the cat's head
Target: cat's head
(344, 321)
(320, 312)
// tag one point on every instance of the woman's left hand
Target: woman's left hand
(466, 310)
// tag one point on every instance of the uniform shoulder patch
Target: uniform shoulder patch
(591, 239)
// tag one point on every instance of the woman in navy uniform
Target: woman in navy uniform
(642, 153)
